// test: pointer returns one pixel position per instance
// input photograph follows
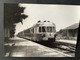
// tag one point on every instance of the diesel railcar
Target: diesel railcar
(41, 31)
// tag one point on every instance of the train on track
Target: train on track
(41, 31)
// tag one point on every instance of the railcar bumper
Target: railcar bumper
(45, 38)
(48, 39)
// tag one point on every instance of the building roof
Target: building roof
(74, 26)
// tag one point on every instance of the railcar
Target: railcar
(42, 31)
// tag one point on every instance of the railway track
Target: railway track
(66, 46)
(63, 47)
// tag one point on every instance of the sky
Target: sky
(62, 15)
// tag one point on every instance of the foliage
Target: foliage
(12, 15)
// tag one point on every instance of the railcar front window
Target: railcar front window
(49, 29)
(54, 29)
(43, 29)
(39, 29)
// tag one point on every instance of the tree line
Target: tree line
(12, 15)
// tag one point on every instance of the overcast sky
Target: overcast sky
(62, 15)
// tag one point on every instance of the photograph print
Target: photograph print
(40, 30)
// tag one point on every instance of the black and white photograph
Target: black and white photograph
(40, 30)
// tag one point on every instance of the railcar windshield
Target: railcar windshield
(54, 30)
(50, 29)
(47, 29)
(39, 29)
(42, 29)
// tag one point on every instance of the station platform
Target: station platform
(19, 47)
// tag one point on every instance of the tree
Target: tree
(12, 15)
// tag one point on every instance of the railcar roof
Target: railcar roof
(45, 24)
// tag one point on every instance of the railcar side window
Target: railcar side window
(33, 30)
(28, 31)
